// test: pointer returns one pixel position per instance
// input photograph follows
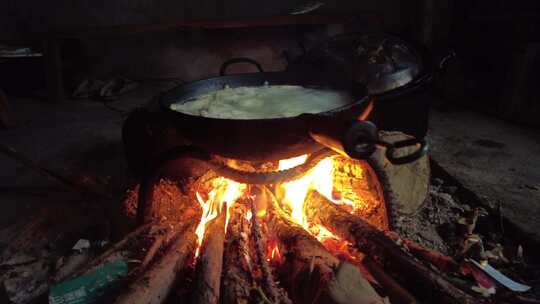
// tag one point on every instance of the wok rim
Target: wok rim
(166, 99)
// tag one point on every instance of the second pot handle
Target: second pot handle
(226, 64)
(391, 148)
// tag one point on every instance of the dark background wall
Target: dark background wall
(498, 47)
(19, 17)
(181, 53)
(497, 42)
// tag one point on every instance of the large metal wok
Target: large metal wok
(342, 129)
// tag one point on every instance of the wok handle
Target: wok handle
(355, 139)
(359, 138)
(226, 64)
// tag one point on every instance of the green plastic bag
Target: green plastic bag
(88, 288)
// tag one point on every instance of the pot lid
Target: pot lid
(382, 62)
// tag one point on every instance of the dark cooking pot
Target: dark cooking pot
(397, 73)
(278, 138)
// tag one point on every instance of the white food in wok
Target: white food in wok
(263, 102)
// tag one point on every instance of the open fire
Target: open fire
(291, 197)
(319, 235)
(221, 197)
(311, 229)
(337, 179)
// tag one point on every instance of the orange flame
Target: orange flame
(320, 178)
(332, 243)
(224, 191)
(273, 253)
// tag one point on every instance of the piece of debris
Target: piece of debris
(484, 284)
(485, 292)
(496, 254)
(116, 87)
(500, 278)
(472, 247)
(9, 51)
(89, 287)
(519, 255)
(81, 245)
(470, 219)
(307, 8)
(88, 88)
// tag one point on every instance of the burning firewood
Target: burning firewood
(320, 276)
(152, 281)
(441, 261)
(237, 264)
(258, 208)
(153, 285)
(396, 293)
(210, 261)
(376, 244)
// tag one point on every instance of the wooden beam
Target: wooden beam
(272, 21)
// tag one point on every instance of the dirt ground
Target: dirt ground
(497, 160)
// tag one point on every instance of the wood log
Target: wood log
(409, 182)
(156, 283)
(371, 271)
(396, 293)
(381, 248)
(156, 245)
(258, 208)
(441, 261)
(315, 275)
(154, 280)
(210, 261)
(237, 262)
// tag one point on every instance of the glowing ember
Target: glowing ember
(272, 252)
(224, 191)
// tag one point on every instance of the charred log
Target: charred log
(316, 275)
(237, 264)
(396, 293)
(153, 285)
(116, 251)
(258, 207)
(377, 245)
(441, 261)
(210, 261)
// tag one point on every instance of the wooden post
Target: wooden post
(53, 69)
(5, 119)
